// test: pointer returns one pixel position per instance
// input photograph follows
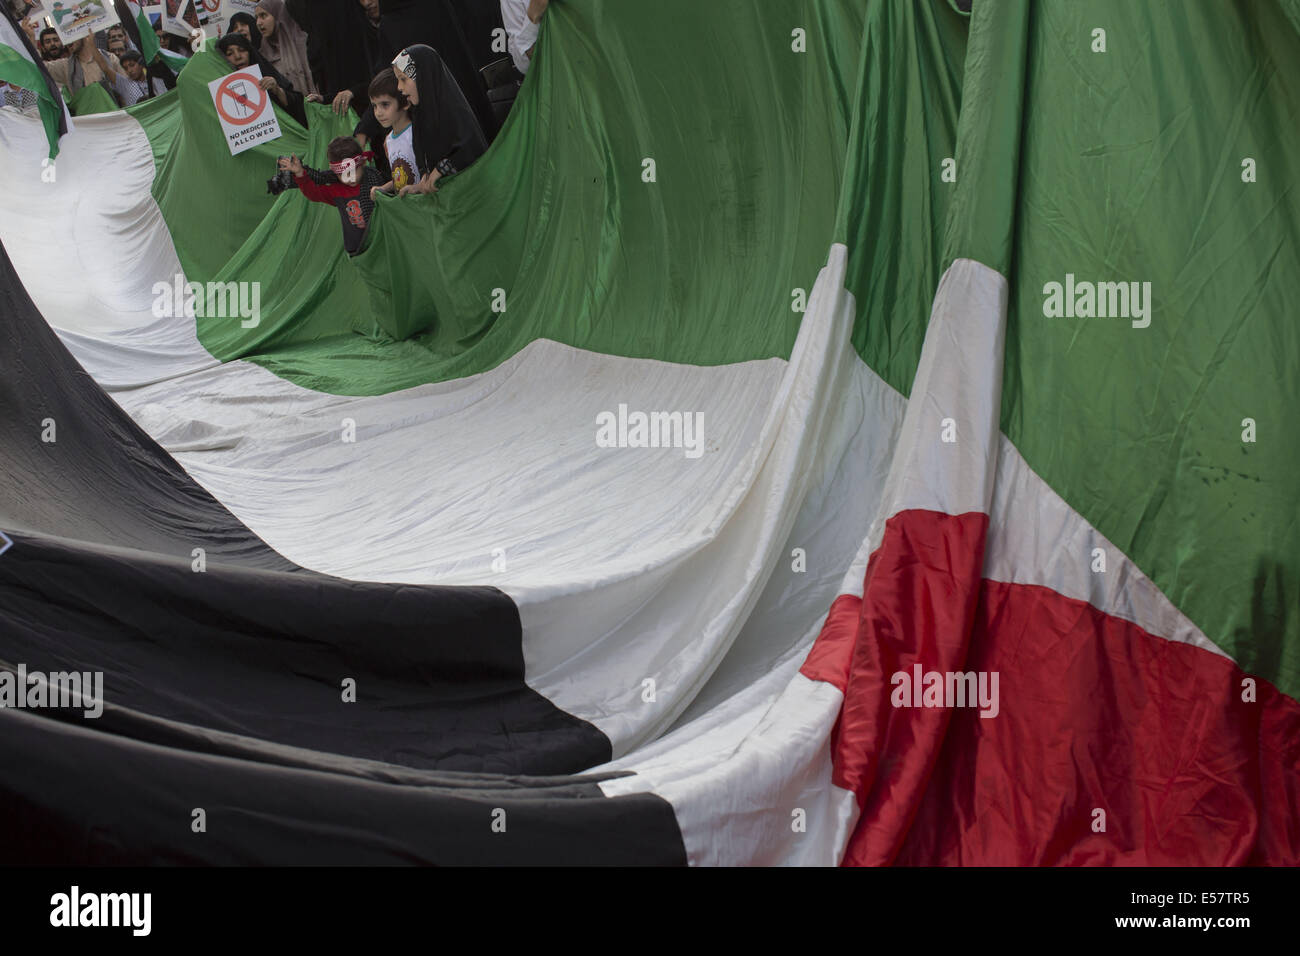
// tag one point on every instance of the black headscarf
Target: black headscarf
(246, 18)
(295, 106)
(434, 22)
(446, 134)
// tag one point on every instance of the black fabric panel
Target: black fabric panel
(235, 672)
(82, 797)
(438, 671)
(103, 480)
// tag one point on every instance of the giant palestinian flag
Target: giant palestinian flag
(878, 453)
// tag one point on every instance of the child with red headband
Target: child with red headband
(347, 186)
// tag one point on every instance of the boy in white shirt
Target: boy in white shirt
(393, 112)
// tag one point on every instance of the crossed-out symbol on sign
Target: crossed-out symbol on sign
(245, 97)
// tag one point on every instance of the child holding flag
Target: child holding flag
(346, 186)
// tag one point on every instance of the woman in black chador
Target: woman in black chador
(435, 23)
(447, 136)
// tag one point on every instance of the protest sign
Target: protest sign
(244, 109)
(74, 19)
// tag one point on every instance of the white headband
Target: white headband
(404, 63)
(349, 169)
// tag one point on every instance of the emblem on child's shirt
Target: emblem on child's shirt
(353, 209)
(403, 174)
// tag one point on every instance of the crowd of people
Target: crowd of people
(413, 70)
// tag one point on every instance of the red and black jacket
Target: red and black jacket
(353, 202)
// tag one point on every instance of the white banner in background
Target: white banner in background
(180, 18)
(74, 19)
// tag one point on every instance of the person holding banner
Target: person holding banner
(284, 46)
(347, 186)
(85, 64)
(447, 136)
(342, 49)
(239, 53)
(434, 23)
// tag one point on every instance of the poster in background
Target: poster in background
(244, 109)
(230, 7)
(33, 10)
(74, 19)
(180, 18)
(213, 17)
(152, 9)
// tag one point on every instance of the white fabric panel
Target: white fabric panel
(850, 475)
(736, 786)
(1036, 538)
(690, 603)
(758, 745)
(958, 381)
(959, 378)
(91, 244)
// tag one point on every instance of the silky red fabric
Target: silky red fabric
(1094, 714)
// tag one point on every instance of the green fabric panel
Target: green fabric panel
(90, 99)
(1292, 9)
(981, 224)
(895, 205)
(213, 202)
(308, 290)
(408, 301)
(1131, 169)
(149, 45)
(697, 267)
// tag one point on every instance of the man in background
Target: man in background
(84, 64)
(52, 47)
(117, 40)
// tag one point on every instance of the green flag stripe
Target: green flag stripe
(149, 47)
